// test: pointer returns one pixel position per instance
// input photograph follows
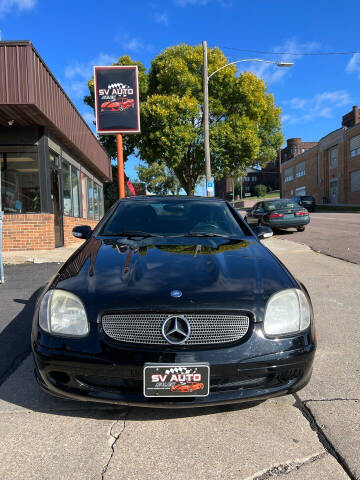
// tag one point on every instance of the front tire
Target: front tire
(300, 229)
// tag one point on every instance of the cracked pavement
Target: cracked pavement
(314, 434)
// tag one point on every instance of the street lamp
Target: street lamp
(206, 78)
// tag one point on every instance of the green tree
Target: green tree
(111, 192)
(244, 121)
(260, 190)
(158, 179)
(129, 141)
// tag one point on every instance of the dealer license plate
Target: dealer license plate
(185, 380)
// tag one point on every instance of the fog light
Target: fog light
(59, 377)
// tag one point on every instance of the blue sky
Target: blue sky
(72, 36)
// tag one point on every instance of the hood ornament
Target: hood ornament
(176, 329)
(176, 293)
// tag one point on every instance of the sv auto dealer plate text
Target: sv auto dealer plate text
(176, 380)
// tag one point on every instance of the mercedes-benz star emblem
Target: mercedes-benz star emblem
(176, 329)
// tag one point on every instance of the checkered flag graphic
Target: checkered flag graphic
(178, 370)
(118, 85)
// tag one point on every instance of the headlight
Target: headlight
(62, 313)
(287, 312)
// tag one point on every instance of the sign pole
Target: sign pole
(120, 156)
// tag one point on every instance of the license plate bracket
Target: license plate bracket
(176, 380)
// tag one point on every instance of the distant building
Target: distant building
(294, 147)
(268, 175)
(329, 169)
(224, 187)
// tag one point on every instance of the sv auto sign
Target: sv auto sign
(116, 92)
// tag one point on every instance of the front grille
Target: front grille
(146, 328)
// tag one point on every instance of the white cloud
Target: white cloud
(185, 3)
(162, 18)
(200, 3)
(79, 73)
(321, 105)
(353, 65)
(134, 44)
(287, 118)
(21, 5)
(272, 73)
(85, 70)
(89, 118)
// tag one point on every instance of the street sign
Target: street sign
(210, 188)
(116, 91)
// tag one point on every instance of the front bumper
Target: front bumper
(237, 373)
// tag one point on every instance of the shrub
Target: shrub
(260, 190)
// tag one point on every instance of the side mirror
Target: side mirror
(263, 232)
(82, 231)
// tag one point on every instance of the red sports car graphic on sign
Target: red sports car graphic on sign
(119, 105)
(188, 387)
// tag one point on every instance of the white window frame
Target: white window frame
(288, 176)
(300, 172)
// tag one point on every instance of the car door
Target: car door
(256, 214)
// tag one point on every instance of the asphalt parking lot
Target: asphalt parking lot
(335, 234)
(312, 435)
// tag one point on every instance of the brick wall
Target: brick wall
(309, 180)
(70, 223)
(28, 232)
(317, 186)
(36, 231)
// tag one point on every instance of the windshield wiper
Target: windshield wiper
(133, 233)
(203, 234)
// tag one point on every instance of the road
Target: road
(335, 234)
(312, 435)
(17, 299)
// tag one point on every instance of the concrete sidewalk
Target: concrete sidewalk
(312, 435)
(56, 255)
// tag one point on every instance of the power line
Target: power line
(289, 53)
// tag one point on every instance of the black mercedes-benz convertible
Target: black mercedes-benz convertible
(173, 302)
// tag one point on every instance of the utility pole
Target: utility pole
(206, 120)
(206, 78)
(280, 171)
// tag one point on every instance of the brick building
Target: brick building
(224, 187)
(330, 169)
(52, 166)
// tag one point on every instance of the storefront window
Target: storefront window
(96, 202)
(20, 190)
(90, 197)
(67, 188)
(76, 193)
(71, 189)
(101, 201)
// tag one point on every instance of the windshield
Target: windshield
(279, 204)
(172, 217)
(307, 198)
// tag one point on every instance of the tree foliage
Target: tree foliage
(158, 179)
(129, 141)
(260, 190)
(244, 121)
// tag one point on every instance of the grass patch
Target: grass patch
(337, 208)
(268, 195)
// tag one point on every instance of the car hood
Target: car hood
(212, 274)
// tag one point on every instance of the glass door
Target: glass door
(56, 199)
